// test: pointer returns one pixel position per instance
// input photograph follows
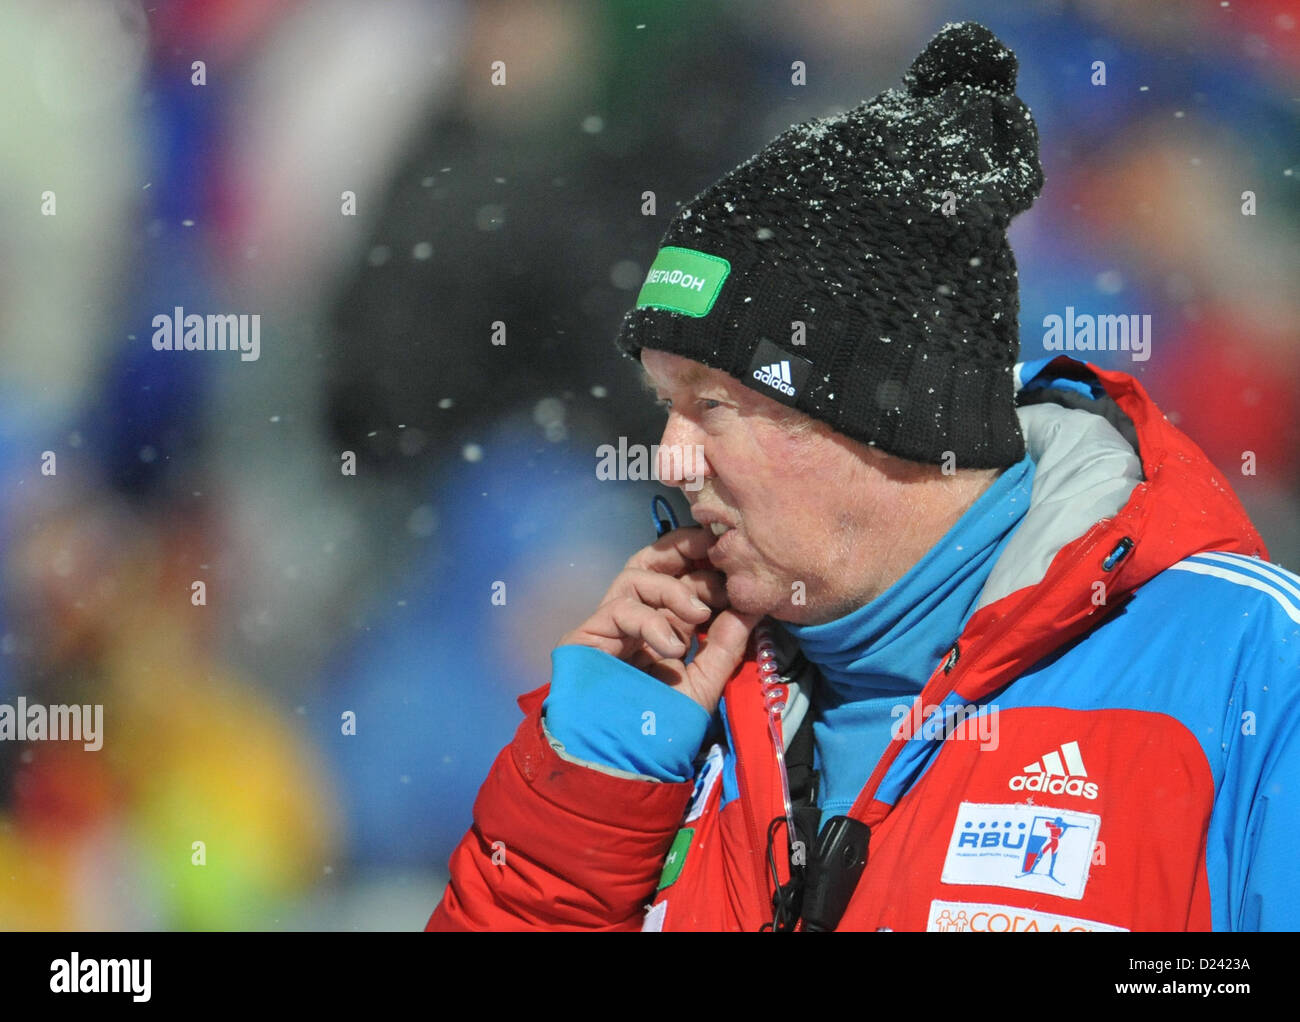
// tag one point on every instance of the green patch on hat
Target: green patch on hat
(683, 280)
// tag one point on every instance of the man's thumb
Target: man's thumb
(724, 647)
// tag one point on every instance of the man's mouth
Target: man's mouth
(711, 520)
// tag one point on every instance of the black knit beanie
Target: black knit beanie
(857, 268)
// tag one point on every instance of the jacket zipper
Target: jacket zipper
(758, 837)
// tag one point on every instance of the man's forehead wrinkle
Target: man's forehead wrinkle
(694, 375)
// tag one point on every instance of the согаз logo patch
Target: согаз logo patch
(982, 917)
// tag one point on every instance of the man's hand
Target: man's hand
(649, 614)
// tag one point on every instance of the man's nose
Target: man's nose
(681, 460)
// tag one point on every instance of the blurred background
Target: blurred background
(219, 187)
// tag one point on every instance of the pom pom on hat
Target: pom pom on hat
(964, 53)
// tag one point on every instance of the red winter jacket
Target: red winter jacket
(1150, 841)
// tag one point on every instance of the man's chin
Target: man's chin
(746, 598)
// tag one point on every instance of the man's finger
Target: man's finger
(674, 553)
(704, 584)
(709, 586)
(639, 622)
(655, 590)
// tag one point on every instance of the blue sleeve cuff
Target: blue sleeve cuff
(608, 712)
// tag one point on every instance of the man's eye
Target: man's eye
(708, 404)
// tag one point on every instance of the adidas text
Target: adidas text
(1053, 785)
(777, 376)
(1060, 772)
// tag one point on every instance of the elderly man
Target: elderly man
(959, 644)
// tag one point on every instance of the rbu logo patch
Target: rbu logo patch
(1024, 847)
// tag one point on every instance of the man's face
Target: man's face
(818, 523)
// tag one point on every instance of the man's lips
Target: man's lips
(712, 521)
(719, 527)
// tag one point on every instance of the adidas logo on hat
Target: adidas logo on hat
(776, 373)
